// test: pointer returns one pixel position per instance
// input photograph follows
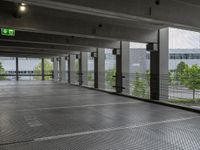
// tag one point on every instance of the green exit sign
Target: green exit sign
(7, 32)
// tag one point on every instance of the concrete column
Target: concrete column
(99, 69)
(42, 69)
(71, 65)
(17, 69)
(159, 67)
(55, 68)
(83, 67)
(125, 47)
(63, 70)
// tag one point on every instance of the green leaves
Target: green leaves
(190, 78)
(47, 67)
(2, 70)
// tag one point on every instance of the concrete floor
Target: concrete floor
(48, 116)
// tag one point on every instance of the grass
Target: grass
(184, 100)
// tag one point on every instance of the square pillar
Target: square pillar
(125, 52)
(99, 68)
(83, 67)
(63, 70)
(159, 67)
(55, 68)
(71, 69)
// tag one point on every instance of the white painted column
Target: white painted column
(164, 63)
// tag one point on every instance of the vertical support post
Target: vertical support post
(96, 68)
(55, 68)
(159, 67)
(99, 69)
(63, 70)
(154, 75)
(80, 80)
(83, 68)
(42, 69)
(60, 70)
(118, 77)
(125, 52)
(71, 65)
(17, 69)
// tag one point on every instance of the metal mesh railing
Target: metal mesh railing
(138, 85)
(26, 75)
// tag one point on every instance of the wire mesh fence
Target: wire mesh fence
(138, 85)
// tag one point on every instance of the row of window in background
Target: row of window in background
(181, 56)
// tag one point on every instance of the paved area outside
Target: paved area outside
(38, 115)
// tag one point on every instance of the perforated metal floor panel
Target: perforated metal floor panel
(50, 116)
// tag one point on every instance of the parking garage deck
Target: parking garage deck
(50, 116)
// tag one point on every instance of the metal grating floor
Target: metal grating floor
(49, 116)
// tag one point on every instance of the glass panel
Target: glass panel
(90, 72)
(48, 69)
(7, 68)
(30, 69)
(139, 76)
(77, 72)
(184, 67)
(110, 70)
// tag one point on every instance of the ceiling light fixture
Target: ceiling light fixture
(22, 7)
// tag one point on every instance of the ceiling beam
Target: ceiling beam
(12, 54)
(58, 40)
(48, 48)
(26, 50)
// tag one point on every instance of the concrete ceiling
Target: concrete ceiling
(57, 27)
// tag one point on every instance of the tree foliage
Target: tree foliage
(180, 70)
(109, 76)
(190, 78)
(47, 68)
(2, 71)
(139, 88)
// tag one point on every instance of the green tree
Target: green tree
(191, 78)
(47, 67)
(180, 70)
(2, 71)
(138, 86)
(109, 76)
(90, 76)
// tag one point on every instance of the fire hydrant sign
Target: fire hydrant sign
(7, 32)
